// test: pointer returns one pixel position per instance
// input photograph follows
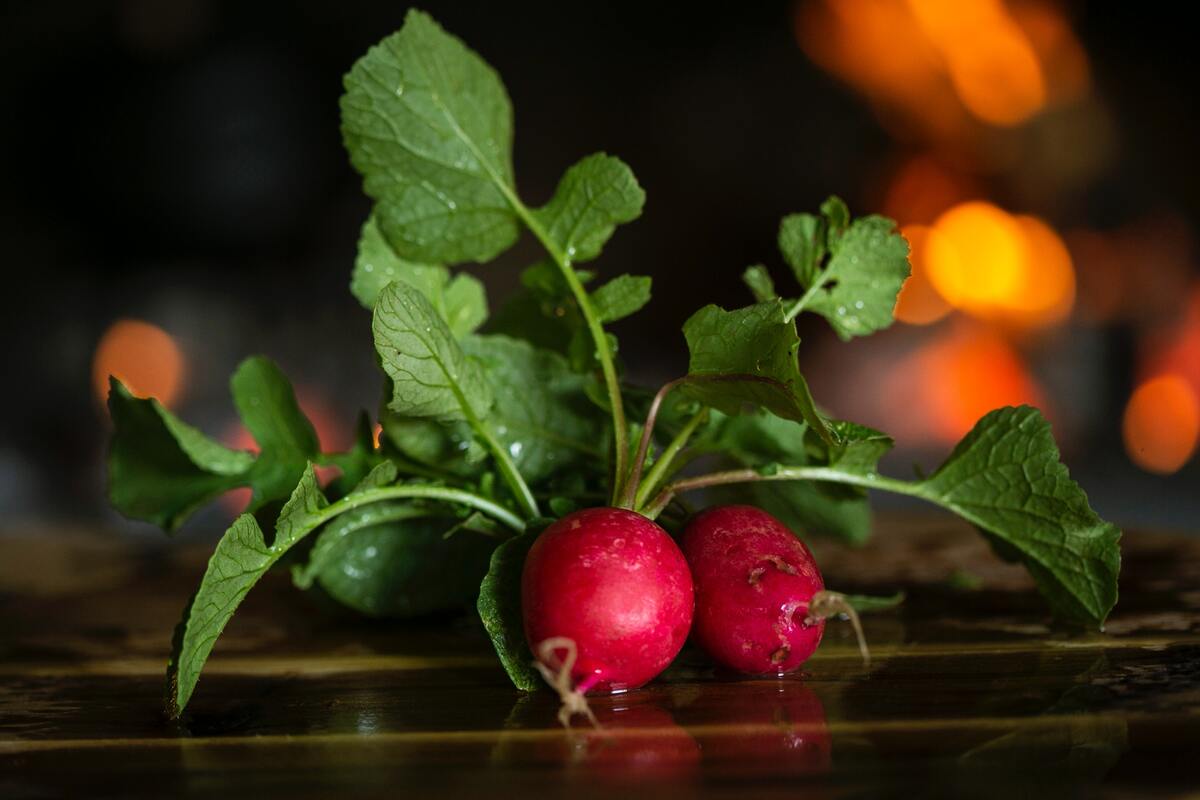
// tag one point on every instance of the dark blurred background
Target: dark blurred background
(174, 196)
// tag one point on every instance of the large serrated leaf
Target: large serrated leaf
(432, 377)
(429, 125)
(1005, 476)
(241, 558)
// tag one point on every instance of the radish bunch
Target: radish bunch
(608, 598)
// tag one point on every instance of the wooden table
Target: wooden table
(970, 692)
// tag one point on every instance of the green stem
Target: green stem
(659, 471)
(445, 494)
(508, 471)
(596, 329)
(829, 474)
(799, 305)
(563, 260)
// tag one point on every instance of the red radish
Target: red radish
(761, 603)
(607, 602)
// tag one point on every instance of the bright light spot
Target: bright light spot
(977, 259)
(143, 356)
(1047, 290)
(990, 61)
(943, 62)
(1014, 270)
(1162, 424)
(919, 303)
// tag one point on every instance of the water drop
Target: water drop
(841, 311)
(859, 304)
(399, 90)
(515, 449)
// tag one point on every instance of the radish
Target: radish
(761, 603)
(606, 600)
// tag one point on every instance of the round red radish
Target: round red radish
(754, 581)
(618, 587)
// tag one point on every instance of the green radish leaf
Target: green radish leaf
(807, 507)
(859, 447)
(376, 265)
(161, 469)
(432, 378)
(856, 292)
(1005, 477)
(802, 243)
(622, 296)
(837, 219)
(593, 197)
(541, 414)
(748, 357)
(448, 449)
(500, 610)
(286, 439)
(461, 301)
(242, 557)
(760, 284)
(429, 125)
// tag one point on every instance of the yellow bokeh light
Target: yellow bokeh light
(143, 356)
(977, 260)
(1047, 290)
(1162, 424)
(993, 265)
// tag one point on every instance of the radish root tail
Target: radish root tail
(559, 678)
(831, 604)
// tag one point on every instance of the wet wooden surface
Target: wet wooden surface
(970, 692)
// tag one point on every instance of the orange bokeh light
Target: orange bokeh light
(977, 259)
(993, 265)
(970, 373)
(991, 63)
(1047, 290)
(1162, 424)
(940, 390)
(943, 63)
(143, 356)
(919, 303)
